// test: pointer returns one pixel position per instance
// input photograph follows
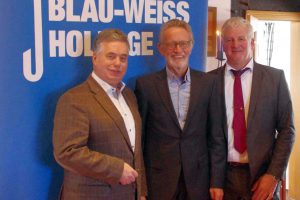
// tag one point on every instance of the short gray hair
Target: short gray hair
(236, 22)
(109, 35)
(176, 23)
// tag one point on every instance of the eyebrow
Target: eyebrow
(125, 54)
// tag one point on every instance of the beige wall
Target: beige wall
(294, 166)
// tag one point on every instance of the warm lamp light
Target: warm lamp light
(219, 49)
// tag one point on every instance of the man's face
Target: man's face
(110, 62)
(176, 47)
(238, 47)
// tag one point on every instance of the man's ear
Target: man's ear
(252, 44)
(94, 57)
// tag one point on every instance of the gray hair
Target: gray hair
(236, 22)
(175, 23)
(109, 35)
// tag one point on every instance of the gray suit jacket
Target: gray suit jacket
(91, 144)
(270, 127)
(199, 149)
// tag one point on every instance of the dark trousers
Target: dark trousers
(181, 193)
(237, 185)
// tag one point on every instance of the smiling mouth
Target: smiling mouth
(236, 50)
(178, 57)
(115, 72)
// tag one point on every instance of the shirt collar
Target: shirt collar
(249, 65)
(172, 77)
(108, 88)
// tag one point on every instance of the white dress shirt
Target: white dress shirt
(115, 95)
(246, 80)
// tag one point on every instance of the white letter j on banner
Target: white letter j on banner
(38, 33)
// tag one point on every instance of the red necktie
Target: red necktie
(239, 122)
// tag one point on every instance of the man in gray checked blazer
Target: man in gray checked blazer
(97, 130)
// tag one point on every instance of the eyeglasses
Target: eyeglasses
(181, 44)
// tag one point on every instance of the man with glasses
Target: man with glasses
(184, 149)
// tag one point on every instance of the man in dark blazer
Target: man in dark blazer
(97, 130)
(253, 172)
(184, 147)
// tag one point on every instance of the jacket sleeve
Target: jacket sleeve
(217, 141)
(143, 106)
(285, 130)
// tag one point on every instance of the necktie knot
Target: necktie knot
(238, 73)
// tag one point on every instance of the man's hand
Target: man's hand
(264, 187)
(143, 198)
(129, 175)
(216, 193)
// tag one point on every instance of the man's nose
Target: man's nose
(118, 61)
(177, 48)
(234, 43)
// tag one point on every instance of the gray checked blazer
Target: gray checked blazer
(91, 143)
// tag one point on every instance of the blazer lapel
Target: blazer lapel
(194, 95)
(105, 102)
(221, 85)
(135, 113)
(255, 91)
(163, 91)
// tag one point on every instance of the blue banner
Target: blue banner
(45, 50)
